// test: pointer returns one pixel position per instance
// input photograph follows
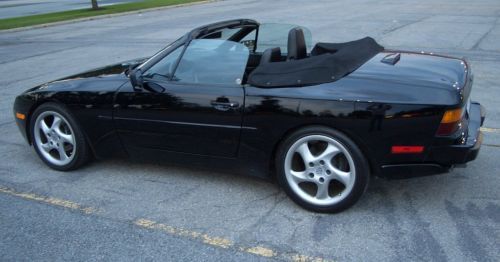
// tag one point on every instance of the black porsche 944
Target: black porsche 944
(321, 119)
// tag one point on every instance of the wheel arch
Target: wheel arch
(39, 103)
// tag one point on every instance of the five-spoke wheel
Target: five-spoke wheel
(56, 137)
(322, 169)
(319, 169)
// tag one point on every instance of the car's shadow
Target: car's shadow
(382, 193)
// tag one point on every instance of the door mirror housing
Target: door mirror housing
(136, 79)
(153, 87)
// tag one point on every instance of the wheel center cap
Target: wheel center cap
(319, 171)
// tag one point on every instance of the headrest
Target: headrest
(296, 44)
(270, 55)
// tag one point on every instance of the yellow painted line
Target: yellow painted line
(219, 242)
(302, 258)
(225, 243)
(490, 130)
(49, 200)
(261, 251)
(213, 241)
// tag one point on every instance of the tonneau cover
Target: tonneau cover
(328, 62)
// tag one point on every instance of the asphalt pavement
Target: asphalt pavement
(122, 209)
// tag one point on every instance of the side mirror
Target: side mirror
(153, 88)
(136, 79)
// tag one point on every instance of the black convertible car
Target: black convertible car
(320, 118)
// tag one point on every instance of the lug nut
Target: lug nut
(311, 175)
(322, 162)
(328, 172)
(311, 164)
(321, 180)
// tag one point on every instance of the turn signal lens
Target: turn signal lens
(451, 116)
(450, 122)
(20, 116)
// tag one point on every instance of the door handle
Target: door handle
(224, 106)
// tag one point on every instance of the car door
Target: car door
(191, 101)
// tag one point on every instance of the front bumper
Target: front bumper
(22, 105)
(460, 154)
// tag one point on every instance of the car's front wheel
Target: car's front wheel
(321, 169)
(57, 139)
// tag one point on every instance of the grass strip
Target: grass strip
(15, 22)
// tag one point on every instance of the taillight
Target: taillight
(450, 122)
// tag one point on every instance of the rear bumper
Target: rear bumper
(441, 158)
(460, 154)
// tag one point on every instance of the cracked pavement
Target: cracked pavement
(454, 217)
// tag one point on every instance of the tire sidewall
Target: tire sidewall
(361, 178)
(81, 151)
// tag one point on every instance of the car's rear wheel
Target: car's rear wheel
(57, 139)
(321, 169)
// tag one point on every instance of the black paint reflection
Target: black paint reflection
(378, 114)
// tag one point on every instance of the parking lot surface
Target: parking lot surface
(122, 209)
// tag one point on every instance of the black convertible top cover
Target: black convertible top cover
(328, 62)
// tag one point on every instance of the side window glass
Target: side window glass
(164, 68)
(210, 61)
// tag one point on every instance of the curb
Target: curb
(98, 17)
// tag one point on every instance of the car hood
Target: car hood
(106, 78)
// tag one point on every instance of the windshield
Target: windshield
(276, 35)
(162, 51)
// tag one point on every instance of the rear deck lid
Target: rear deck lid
(422, 78)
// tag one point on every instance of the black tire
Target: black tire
(82, 152)
(361, 170)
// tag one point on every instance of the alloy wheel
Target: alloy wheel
(320, 170)
(54, 138)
